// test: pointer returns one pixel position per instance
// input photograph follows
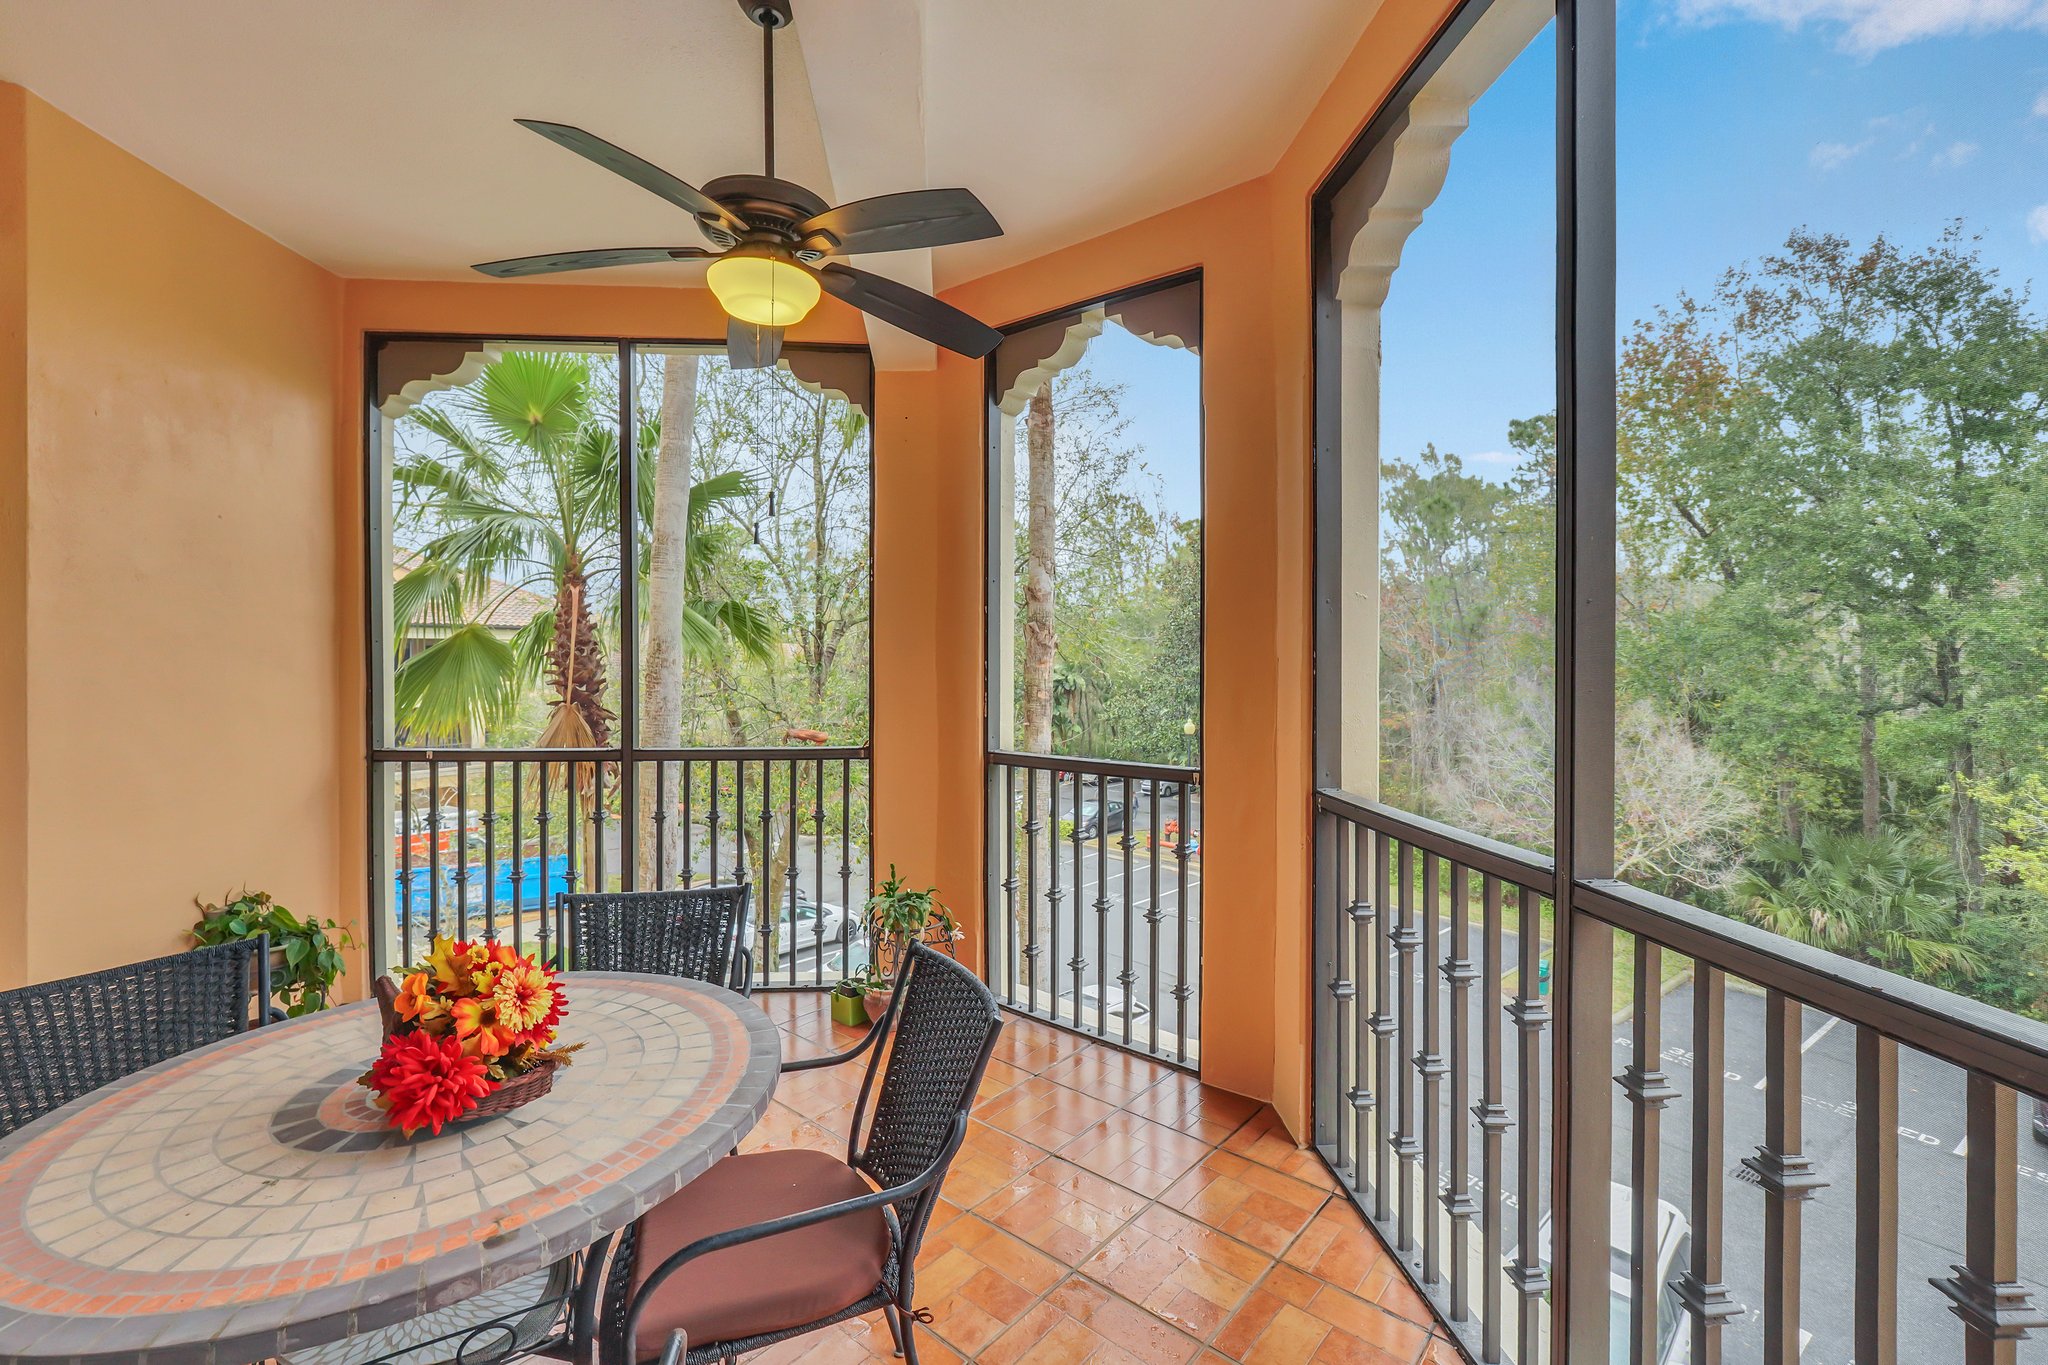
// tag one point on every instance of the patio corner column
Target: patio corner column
(14, 943)
(1583, 1098)
(927, 635)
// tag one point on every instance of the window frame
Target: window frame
(999, 579)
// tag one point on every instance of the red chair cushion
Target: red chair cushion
(789, 1280)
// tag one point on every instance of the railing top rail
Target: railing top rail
(1100, 767)
(1954, 1028)
(614, 754)
(1505, 861)
(1940, 1023)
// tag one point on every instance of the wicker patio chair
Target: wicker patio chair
(784, 1242)
(61, 1039)
(697, 932)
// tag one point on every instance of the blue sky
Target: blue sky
(1838, 115)
(1739, 120)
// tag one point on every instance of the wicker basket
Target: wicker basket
(521, 1089)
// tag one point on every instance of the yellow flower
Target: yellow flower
(524, 996)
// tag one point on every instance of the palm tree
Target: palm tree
(520, 493)
(1869, 896)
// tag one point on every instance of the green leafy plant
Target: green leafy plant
(898, 915)
(306, 952)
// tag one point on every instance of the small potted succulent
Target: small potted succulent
(849, 999)
(305, 954)
(898, 916)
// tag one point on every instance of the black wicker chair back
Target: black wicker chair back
(695, 932)
(925, 1061)
(945, 1021)
(61, 1039)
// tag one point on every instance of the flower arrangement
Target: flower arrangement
(472, 1021)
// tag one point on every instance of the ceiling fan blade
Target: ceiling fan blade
(916, 313)
(645, 174)
(555, 262)
(899, 222)
(749, 346)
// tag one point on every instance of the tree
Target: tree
(661, 652)
(1875, 898)
(1041, 568)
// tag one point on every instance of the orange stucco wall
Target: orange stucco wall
(169, 559)
(182, 378)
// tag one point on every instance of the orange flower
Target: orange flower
(418, 1004)
(449, 962)
(476, 1024)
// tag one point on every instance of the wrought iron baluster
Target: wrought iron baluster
(1325, 912)
(1128, 978)
(1384, 1022)
(1009, 885)
(1986, 1292)
(1405, 939)
(1079, 961)
(1648, 1090)
(519, 860)
(1787, 1175)
(1190, 835)
(1459, 972)
(405, 824)
(1032, 826)
(1877, 1200)
(1706, 1298)
(433, 848)
(716, 824)
(1153, 914)
(490, 849)
(461, 849)
(1363, 914)
(1531, 1016)
(1429, 1065)
(1492, 1114)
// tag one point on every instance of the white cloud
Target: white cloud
(1869, 26)
(2037, 224)
(1829, 156)
(1956, 154)
(2041, 105)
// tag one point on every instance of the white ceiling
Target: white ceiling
(376, 137)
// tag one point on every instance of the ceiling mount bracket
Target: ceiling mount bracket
(769, 14)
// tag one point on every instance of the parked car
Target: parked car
(1093, 824)
(814, 919)
(1106, 1006)
(2041, 1121)
(423, 820)
(1674, 1254)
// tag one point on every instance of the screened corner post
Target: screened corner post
(1581, 1255)
(1094, 484)
(653, 673)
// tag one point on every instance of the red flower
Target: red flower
(424, 1081)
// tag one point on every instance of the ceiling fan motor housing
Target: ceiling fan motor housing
(770, 206)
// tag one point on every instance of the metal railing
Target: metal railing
(480, 843)
(1094, 898)
(1431, 949)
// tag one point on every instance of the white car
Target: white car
(446, 819)
(1091, 1001)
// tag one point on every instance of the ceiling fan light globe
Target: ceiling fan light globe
(763, 290)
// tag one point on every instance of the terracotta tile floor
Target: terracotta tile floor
(1109, 1209)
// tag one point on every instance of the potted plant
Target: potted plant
(897, 917)
(849, 1000)
(305, 954)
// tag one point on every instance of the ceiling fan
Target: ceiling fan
(776, 238)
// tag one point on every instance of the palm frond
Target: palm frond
(537, 399)
(457, 686)
(431, 584)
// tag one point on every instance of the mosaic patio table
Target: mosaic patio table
(246, 1199)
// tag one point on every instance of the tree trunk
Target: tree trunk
(820, 660)
(1867, 746)
(661, 650)
(1040, 648)
(1040, 642)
